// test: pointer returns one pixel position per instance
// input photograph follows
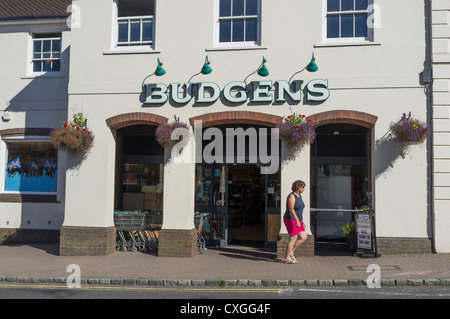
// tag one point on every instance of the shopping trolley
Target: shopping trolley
(199, 220)
(149, 233)
(130, 227)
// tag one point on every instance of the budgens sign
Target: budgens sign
(236, 92)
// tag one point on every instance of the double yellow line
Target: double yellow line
(135, 288)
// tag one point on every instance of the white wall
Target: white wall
(441, 121)
(381, 78)
(32, 102)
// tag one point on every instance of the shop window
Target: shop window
(135, 23)
(347, 20)
(31, 166)
(143, 186)
(46, 53)
(238, 22)
(142, 172)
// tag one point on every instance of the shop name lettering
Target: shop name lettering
(237, 92)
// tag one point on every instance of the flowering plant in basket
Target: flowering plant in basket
(296, 131)
(73, 135)
(164, 132)
(409, 130)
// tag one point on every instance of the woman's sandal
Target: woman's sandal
(293, 257)
(290, 261)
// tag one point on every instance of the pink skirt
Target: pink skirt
(291, 226)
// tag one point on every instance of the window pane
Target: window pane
(56, 66)
(238, 7)
(225, 8)
(123, 31)
(147, 30)
(361, 25)
(37, 45)
(333, 5)
(47, 65)
(347, 26)
(37, 66)
(56, 45)
(225, 31)
(31, 166)
(56, 49)
(46, 49)
(361, 4)
(333, 26)
(135, 30)
(347, 5)
(238, 30)
(251, 33)
(251, 7)
(130, 8)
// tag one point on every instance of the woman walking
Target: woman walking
(293, 220)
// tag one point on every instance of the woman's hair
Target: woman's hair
(297, 184)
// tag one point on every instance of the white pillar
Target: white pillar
(441, 123)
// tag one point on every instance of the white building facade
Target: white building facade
(375, 61)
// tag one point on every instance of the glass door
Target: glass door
(211, 200)
(339, 179)
(274, 206)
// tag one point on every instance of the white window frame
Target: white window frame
(4, 160)
(31, 58)
(326, 40)
(243, 44)
(131, 46)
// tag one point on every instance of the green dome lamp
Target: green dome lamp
(263, 71)
(159, 70)
(312, 66)
(206, 69)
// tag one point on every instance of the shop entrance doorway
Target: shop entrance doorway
(246, 204)
(242, 205)
(241, 202)
(339, 181)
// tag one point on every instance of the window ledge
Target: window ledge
(43, 76)
(235, 48)
(121, 52)
(346, 44)
(27, 198)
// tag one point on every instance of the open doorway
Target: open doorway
(340, 166)
(246, 204)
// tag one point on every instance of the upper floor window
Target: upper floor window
(238, 22)
(135, 22)
(347, 21)
(46, 52)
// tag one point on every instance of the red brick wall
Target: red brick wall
(87, 241)
(137, 118)
(177, 243)
(237, 117)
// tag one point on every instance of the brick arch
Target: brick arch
(127, 119)
(237, 117)
(26, 131)
(344, 116)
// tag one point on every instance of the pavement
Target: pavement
(232, 266)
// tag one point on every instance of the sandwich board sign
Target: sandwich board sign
(366, 244)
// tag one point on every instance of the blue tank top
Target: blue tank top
(298, 208)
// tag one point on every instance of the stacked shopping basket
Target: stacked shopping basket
(199, 220)
(134, 231)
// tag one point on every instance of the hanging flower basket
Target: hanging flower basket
(296, 131)
(409, 130)
(164, 132)
(73, 136)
